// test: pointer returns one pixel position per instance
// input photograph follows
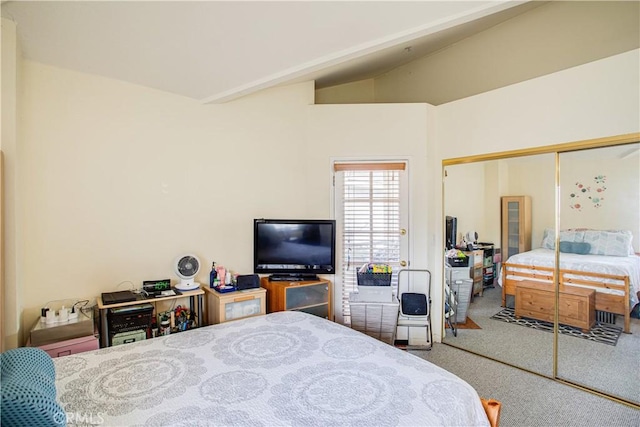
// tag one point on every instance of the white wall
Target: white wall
(493, 187)
(594, 100)
(465, 198)
(610, 203)
(10, 294)
(121, 179)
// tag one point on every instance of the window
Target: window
(370, 214)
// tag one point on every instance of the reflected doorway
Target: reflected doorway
(480, 195)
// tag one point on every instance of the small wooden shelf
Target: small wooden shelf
(104, 308)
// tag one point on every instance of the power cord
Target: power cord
(131, 288)
(83, 308)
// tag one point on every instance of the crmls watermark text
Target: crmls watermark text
(71, 418)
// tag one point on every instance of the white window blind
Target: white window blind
(369, 219)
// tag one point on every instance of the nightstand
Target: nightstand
(223, 307)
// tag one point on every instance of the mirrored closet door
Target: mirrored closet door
(532, 210)
(599, 204)
(508, 203)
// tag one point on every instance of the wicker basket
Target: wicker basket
(374, 279)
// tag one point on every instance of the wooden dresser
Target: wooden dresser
(577, 306)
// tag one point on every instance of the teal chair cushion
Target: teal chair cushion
(28, 384)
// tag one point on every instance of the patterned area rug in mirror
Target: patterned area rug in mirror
(601, 332)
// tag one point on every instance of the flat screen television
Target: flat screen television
(294, 249)
(451, 232)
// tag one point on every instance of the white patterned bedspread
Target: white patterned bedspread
(282, 369)
(623, 266)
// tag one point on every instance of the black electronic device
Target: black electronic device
(247, 281)
(413, 304)
(118, 297)
(458, 261)
(156, 285)
(129, 318)
(292, 277)
(294, 247)
(451, 232)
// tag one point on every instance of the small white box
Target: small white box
(374, 294)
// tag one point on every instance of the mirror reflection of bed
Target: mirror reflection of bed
(598, 198)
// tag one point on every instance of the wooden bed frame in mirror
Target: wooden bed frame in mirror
(611, 303)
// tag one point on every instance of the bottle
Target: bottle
(165, 328)
(212, 275)
(221, 274)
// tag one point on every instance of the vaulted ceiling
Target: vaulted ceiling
(218, 50)
(215, 51)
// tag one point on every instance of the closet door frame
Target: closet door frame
(556, 149)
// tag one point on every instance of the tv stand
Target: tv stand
(293, 277)
(313, 297)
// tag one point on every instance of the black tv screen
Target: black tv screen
(294, 247)
(451, 232)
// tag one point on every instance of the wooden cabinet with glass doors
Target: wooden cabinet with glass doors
(313, 297)
(516, 225)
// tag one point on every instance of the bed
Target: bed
(285, 368)
(612, 270)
